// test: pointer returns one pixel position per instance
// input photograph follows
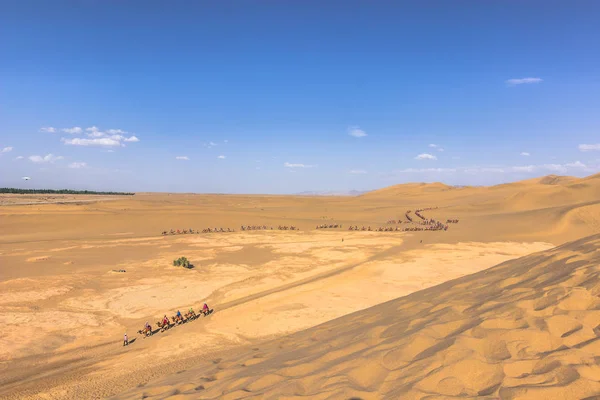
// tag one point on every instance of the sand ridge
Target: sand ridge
(526, 328)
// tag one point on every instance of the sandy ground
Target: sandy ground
(63, 309)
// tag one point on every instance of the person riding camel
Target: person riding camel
(148, 327)
(178, 315)
(165, 320)
(125, 340)
(205, 309)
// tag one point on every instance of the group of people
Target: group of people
(165, 323)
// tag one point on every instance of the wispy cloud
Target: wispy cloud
(356, 132)
(221, 157)
(186, 158)
(210, 144)
(49, 158)
(473, 170)
(589, 147)
(73, 131)
(48, 129)
(102, 142)
(523, 81)
(526, 154)
(292, 165)
(425, 156)
(358, 171)
(19, 158)
(113, 131)
(98, 138)
(77, 165)
(6, 149)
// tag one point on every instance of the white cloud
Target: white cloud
(356, 132)
(6, 149)
(522, 81)
(425, 156)
(77, 165)
(358, 171)
(73, 131)
(576, 164)
(524, 168)
(526, 154)
(49, 158)
(589, 147)
(19, 158)
(48, 129)
(221, 157)
(436, 146)
(92, 129)
(186, 158)
(102, 142)
(421, 170)
(132, 139)
(291, 165)
(115, 131)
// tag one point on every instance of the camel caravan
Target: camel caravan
(165, 323)
(369, 229)
(264, 228)
(192, 231)
(330, 226)
(227, 230)
(426, 224)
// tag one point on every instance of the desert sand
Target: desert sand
(490, 308)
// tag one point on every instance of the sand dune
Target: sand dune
(527, 328)
(324, 307)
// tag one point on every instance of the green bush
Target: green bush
(182, 262)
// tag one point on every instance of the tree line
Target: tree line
(60, 191)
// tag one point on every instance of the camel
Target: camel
(147, 331)
(163, 326)
(206, 313)
(190, 316)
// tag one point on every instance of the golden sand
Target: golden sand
(324, 313)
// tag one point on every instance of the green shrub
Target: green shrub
(182, 262)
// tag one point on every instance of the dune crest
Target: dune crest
(527, 328)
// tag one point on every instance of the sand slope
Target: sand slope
(527, 328)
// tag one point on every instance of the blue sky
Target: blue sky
(285, 97)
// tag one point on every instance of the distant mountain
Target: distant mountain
(332, 193)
